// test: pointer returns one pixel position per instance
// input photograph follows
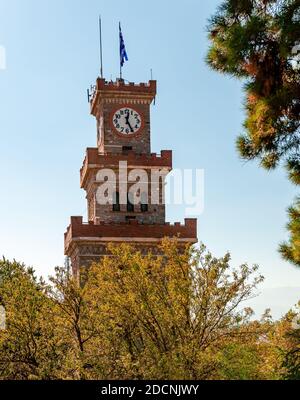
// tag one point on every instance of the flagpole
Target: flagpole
(120, 50)
(101, 60)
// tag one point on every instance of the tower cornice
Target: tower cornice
(94, 161)
(132, 232)
(119, 91)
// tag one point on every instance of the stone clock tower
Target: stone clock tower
(122, 158)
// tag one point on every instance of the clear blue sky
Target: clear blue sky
(45, 126)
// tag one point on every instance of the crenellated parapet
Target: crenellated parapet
(94, 161)
(132, 232)
(118, 91)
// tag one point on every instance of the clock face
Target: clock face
(127, 121)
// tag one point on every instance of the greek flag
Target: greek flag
(123, 54)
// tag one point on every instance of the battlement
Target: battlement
(94, 161)
(130, 231)
(119, 89)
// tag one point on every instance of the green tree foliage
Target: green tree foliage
(28, 348)
(291, 250)
(288, 342)
(75, 323)
(257, 40)
(292, 358)
(178, 315)
(171, 316)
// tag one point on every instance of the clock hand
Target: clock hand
(127, 122)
